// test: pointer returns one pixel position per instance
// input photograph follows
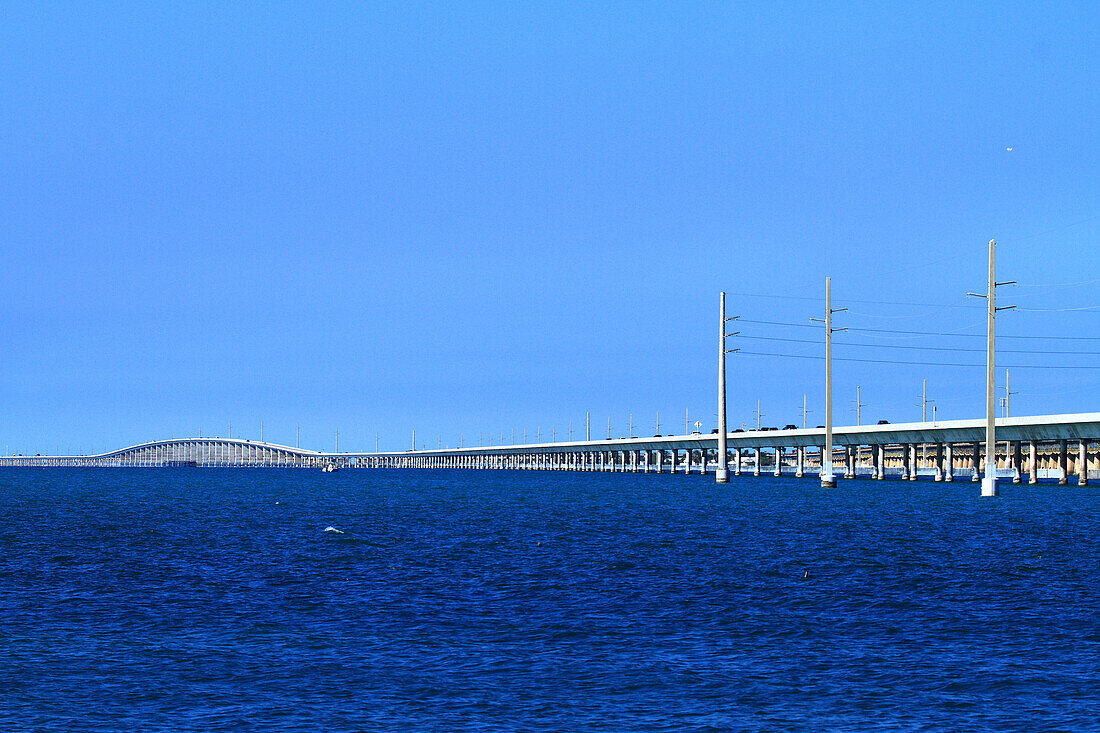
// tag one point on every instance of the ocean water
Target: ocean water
(215, 599)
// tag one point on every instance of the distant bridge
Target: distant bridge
(1047, 446)
(187, 452)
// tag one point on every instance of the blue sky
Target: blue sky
(479, 218)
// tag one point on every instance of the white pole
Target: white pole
(989, 483)
(721, 473)
(827, 479)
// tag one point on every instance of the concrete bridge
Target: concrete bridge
(186, 452)
(1046, 446)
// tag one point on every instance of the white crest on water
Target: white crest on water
(333, 529)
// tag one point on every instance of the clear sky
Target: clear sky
(479, 217)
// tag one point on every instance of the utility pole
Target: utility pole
(609, 428)
(554, 433)
(989, 483)
(261, 431)
(376, 442)
(570, 430)
(338, 441)
(687, 423)
(538, 434)
(1008, 396)
(804, 411)
(587, 427)
(525, 436)
(721, 473)
(758, 415)
(630, 434)
(414, 438)
(658, 431)
(859, 407)
(828, 481)
(298, 436)
(924, 402)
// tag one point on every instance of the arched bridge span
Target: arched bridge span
(186, 452)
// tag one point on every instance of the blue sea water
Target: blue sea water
(215, 599)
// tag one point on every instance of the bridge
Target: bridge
(1038, 447)
(980, 450)
(203, 452)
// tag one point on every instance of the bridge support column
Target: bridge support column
(736, 461)
(914, 463)
(849, 468)
(800, 466)
(1063, 461)
(1082, 463)
(905, 461)
(880, 462)
(703, 461)
(778, 453)
(976, 476)
(939, 461)
(949, 463)
(1032, 463)
(1014, 450)
(756, 468)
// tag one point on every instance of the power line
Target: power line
(1060, 310)
(1059, 285)
(923, 348)
(849, 300)
(918, 363)
(865, 330)
(925, 333)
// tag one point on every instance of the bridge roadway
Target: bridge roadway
(1055, 446)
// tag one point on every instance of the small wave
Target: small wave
(333, 529)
